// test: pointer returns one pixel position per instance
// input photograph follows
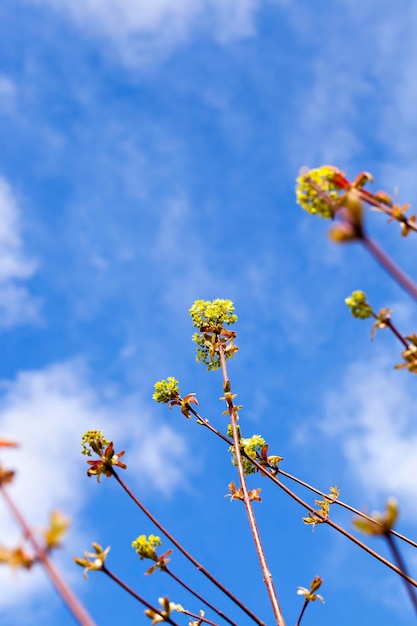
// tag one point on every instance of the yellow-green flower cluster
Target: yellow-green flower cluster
(166, 390)
(210, 317)
(358, 305)
(211, 313)
(252, 446)
(145, 547)
(93, 441)
(312, 197)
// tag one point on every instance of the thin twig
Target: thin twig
(197, 595)
(383, 259)
(300, 617)
(205, 422)
(370, 199)
(344, 505)
(327, 520)
(199, 567)
(129, 590)
(246, 498)
(199, 618)
(401, 564)
(311, 509)
(388, 323)
(70, 599)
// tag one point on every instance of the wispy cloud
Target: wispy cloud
(372, 419)
(16, 304)
(181, 253)
(143, 29)
(47, 411)
(8, 94)
(354, 58)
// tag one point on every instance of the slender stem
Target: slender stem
(344, 505)
(129, 590)
(300, 617)
(396, 332)
(327, 520)
(202, 569)
(311, 509)
(393, 269)
(204, 422)
(370, 199)
(199, 618)
(70, 599)
(401, 564)
(198, 596)
(246, 498)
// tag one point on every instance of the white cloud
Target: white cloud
(8, 93)
(47, 411)
(356, 56)
(182, 253)
(16, 304)
(142, 27)
(372, 418)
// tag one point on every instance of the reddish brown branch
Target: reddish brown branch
(70, 599)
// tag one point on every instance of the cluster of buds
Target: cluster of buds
(93, 561)
(409, 355)
(310, 595)
(321, 514)
(94, 441)
(166, 609)
(361, 309)
(255, 448)
(52, 537)
(327, 192)
(167, 391)
(145, 548)
(210, 318)
(237, 494)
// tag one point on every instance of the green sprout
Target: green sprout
(361, 309)
(358, 305)
(321, 515)
(310, 595)
(166, 609)
(93, 561)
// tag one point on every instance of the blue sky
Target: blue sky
(148, 158)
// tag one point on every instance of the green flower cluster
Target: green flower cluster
(210, 316)
(358, 305)
(166, 390)
(309, 197)
(252, 446)
(212, 313)
(145, 547)
(93, 441)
